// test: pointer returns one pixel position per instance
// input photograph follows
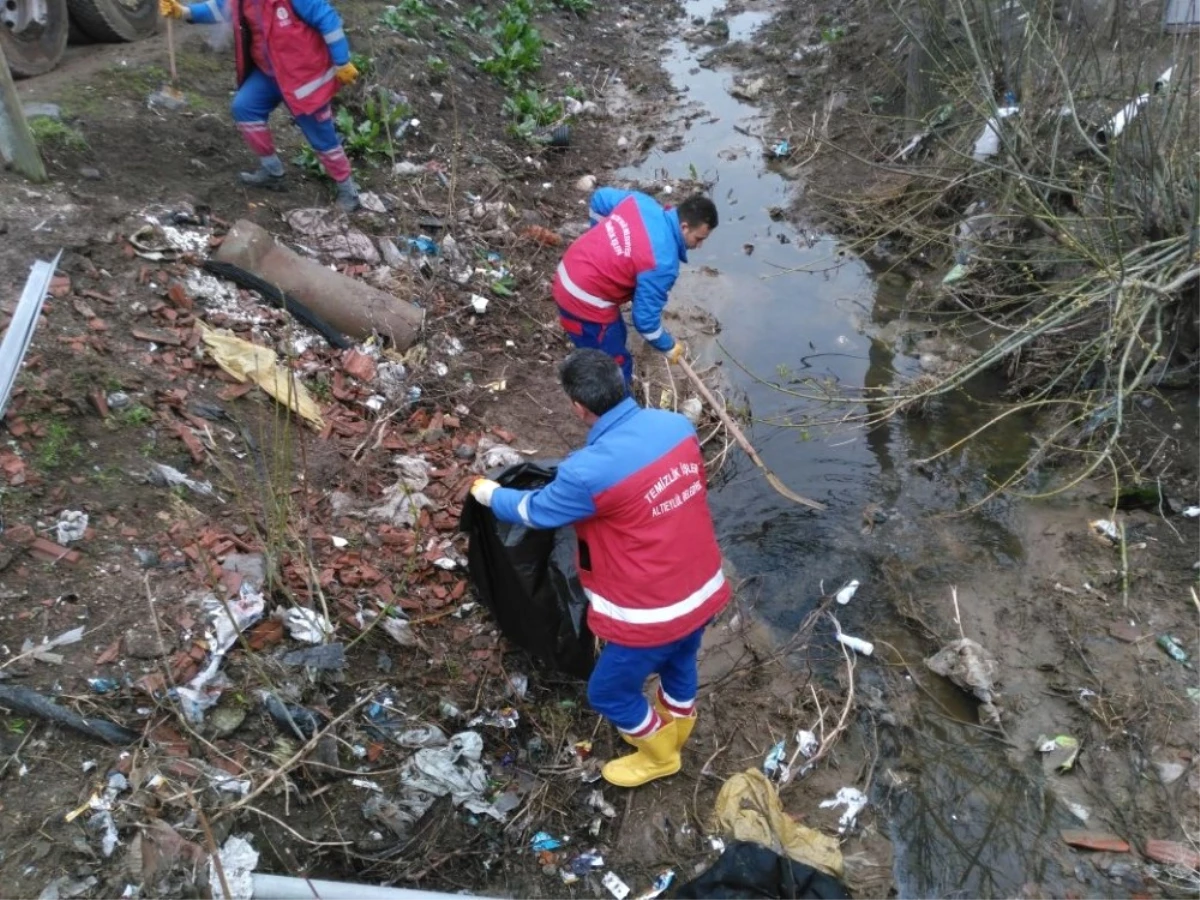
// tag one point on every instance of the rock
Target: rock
(1169, 771)
(251, 566)
(225, 720)
(437, 98)
(142, 644)
(750, 90)
(1123, 631)
(90, 173)
(42, 111)
(587, 184)
(968, 665)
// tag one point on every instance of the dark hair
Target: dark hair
(698, 210)
(592, 379)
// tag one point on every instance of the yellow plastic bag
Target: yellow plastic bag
(748, 809)
(250, 362)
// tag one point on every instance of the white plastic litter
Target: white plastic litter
(692, 408)
(307, 625)
(988, 142)
(72, 525)
(858, 645)
(173, 477)
(808, 742)
(1192, 512)
(42, 651)
(618, 888)
(479, 304)
(1106, 528)
(853, 799)
(222, 631)
(845, 594)
(238, 860)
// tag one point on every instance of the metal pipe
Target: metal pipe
(284, 887)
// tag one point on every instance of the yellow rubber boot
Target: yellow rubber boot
(657, 757)
(683, 724)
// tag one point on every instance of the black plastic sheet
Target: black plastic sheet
(528, 579)
(749, 870)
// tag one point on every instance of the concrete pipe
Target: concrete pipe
(352, 307)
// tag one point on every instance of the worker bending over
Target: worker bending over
(632, 253)
(289, 51)
(648, 558)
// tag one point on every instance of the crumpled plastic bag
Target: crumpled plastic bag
(238, 860)
(748, 809)
(434, 772)
(973, 669)
(491, 454)
(250, 362)
(330, 232)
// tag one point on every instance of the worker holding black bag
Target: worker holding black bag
(648, 558)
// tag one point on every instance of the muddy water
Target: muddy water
(797, 309)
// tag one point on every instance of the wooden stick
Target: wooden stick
(742, 442)
(171, 50)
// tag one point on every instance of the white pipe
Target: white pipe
(284, 887)
(1118, 123)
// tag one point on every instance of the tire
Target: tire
(114, 21)
(77, 38)
(33, 46)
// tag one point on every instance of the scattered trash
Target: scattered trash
(295, 720)
(307, 625)
(661, 883)
(957, 272)
(324, 657)
(988, 142)
(972, 668)
(1192, 512)
(1060, 751)
(103, 685)
(425, 245)
(853, 799)
(251, 362)
(774, 766)
(692, 408)
(618, 888)
(858, 645)
(1106, 528)
(782, 150)
(479, 304)
(597, 802)
(518, 686)
(71, 527)
(330, 232)
(808, 742)
(506, 718)
(845, 594)
(1173, 649)
(238, 859)
(41, 652)
(172, 477)
(68, 888)
(749, 90)
(542, 842)
(586, 183)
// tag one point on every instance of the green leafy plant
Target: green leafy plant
(407, 16)
(516, 45)
(59, 446)
(579, 7)
(475, 18)
(365, 64)
(530, 111)
(438, 67)
(832, 34)
(368, 136)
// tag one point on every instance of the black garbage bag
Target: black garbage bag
(749, 870)
(528, 579)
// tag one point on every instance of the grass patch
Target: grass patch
(59, 446)
(51, 134)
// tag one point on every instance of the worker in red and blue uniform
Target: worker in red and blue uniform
(631, 254)
(287, 51)
(648, 558)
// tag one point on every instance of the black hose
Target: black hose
(279, 298)
(31, 703)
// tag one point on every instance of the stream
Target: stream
(967, 822)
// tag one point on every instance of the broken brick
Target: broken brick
(1095, 840)
(191, 442)
(157, 336)
(60, 286)
(109, 653)
(52, 552)
(1172, 853)
(178, 295)
(359, 365)
(98, 325)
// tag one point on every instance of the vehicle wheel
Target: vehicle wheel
(76, 37)
(33, 34)
(114, 21)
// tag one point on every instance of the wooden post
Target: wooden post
(17, 145)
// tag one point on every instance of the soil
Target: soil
(296, 496)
